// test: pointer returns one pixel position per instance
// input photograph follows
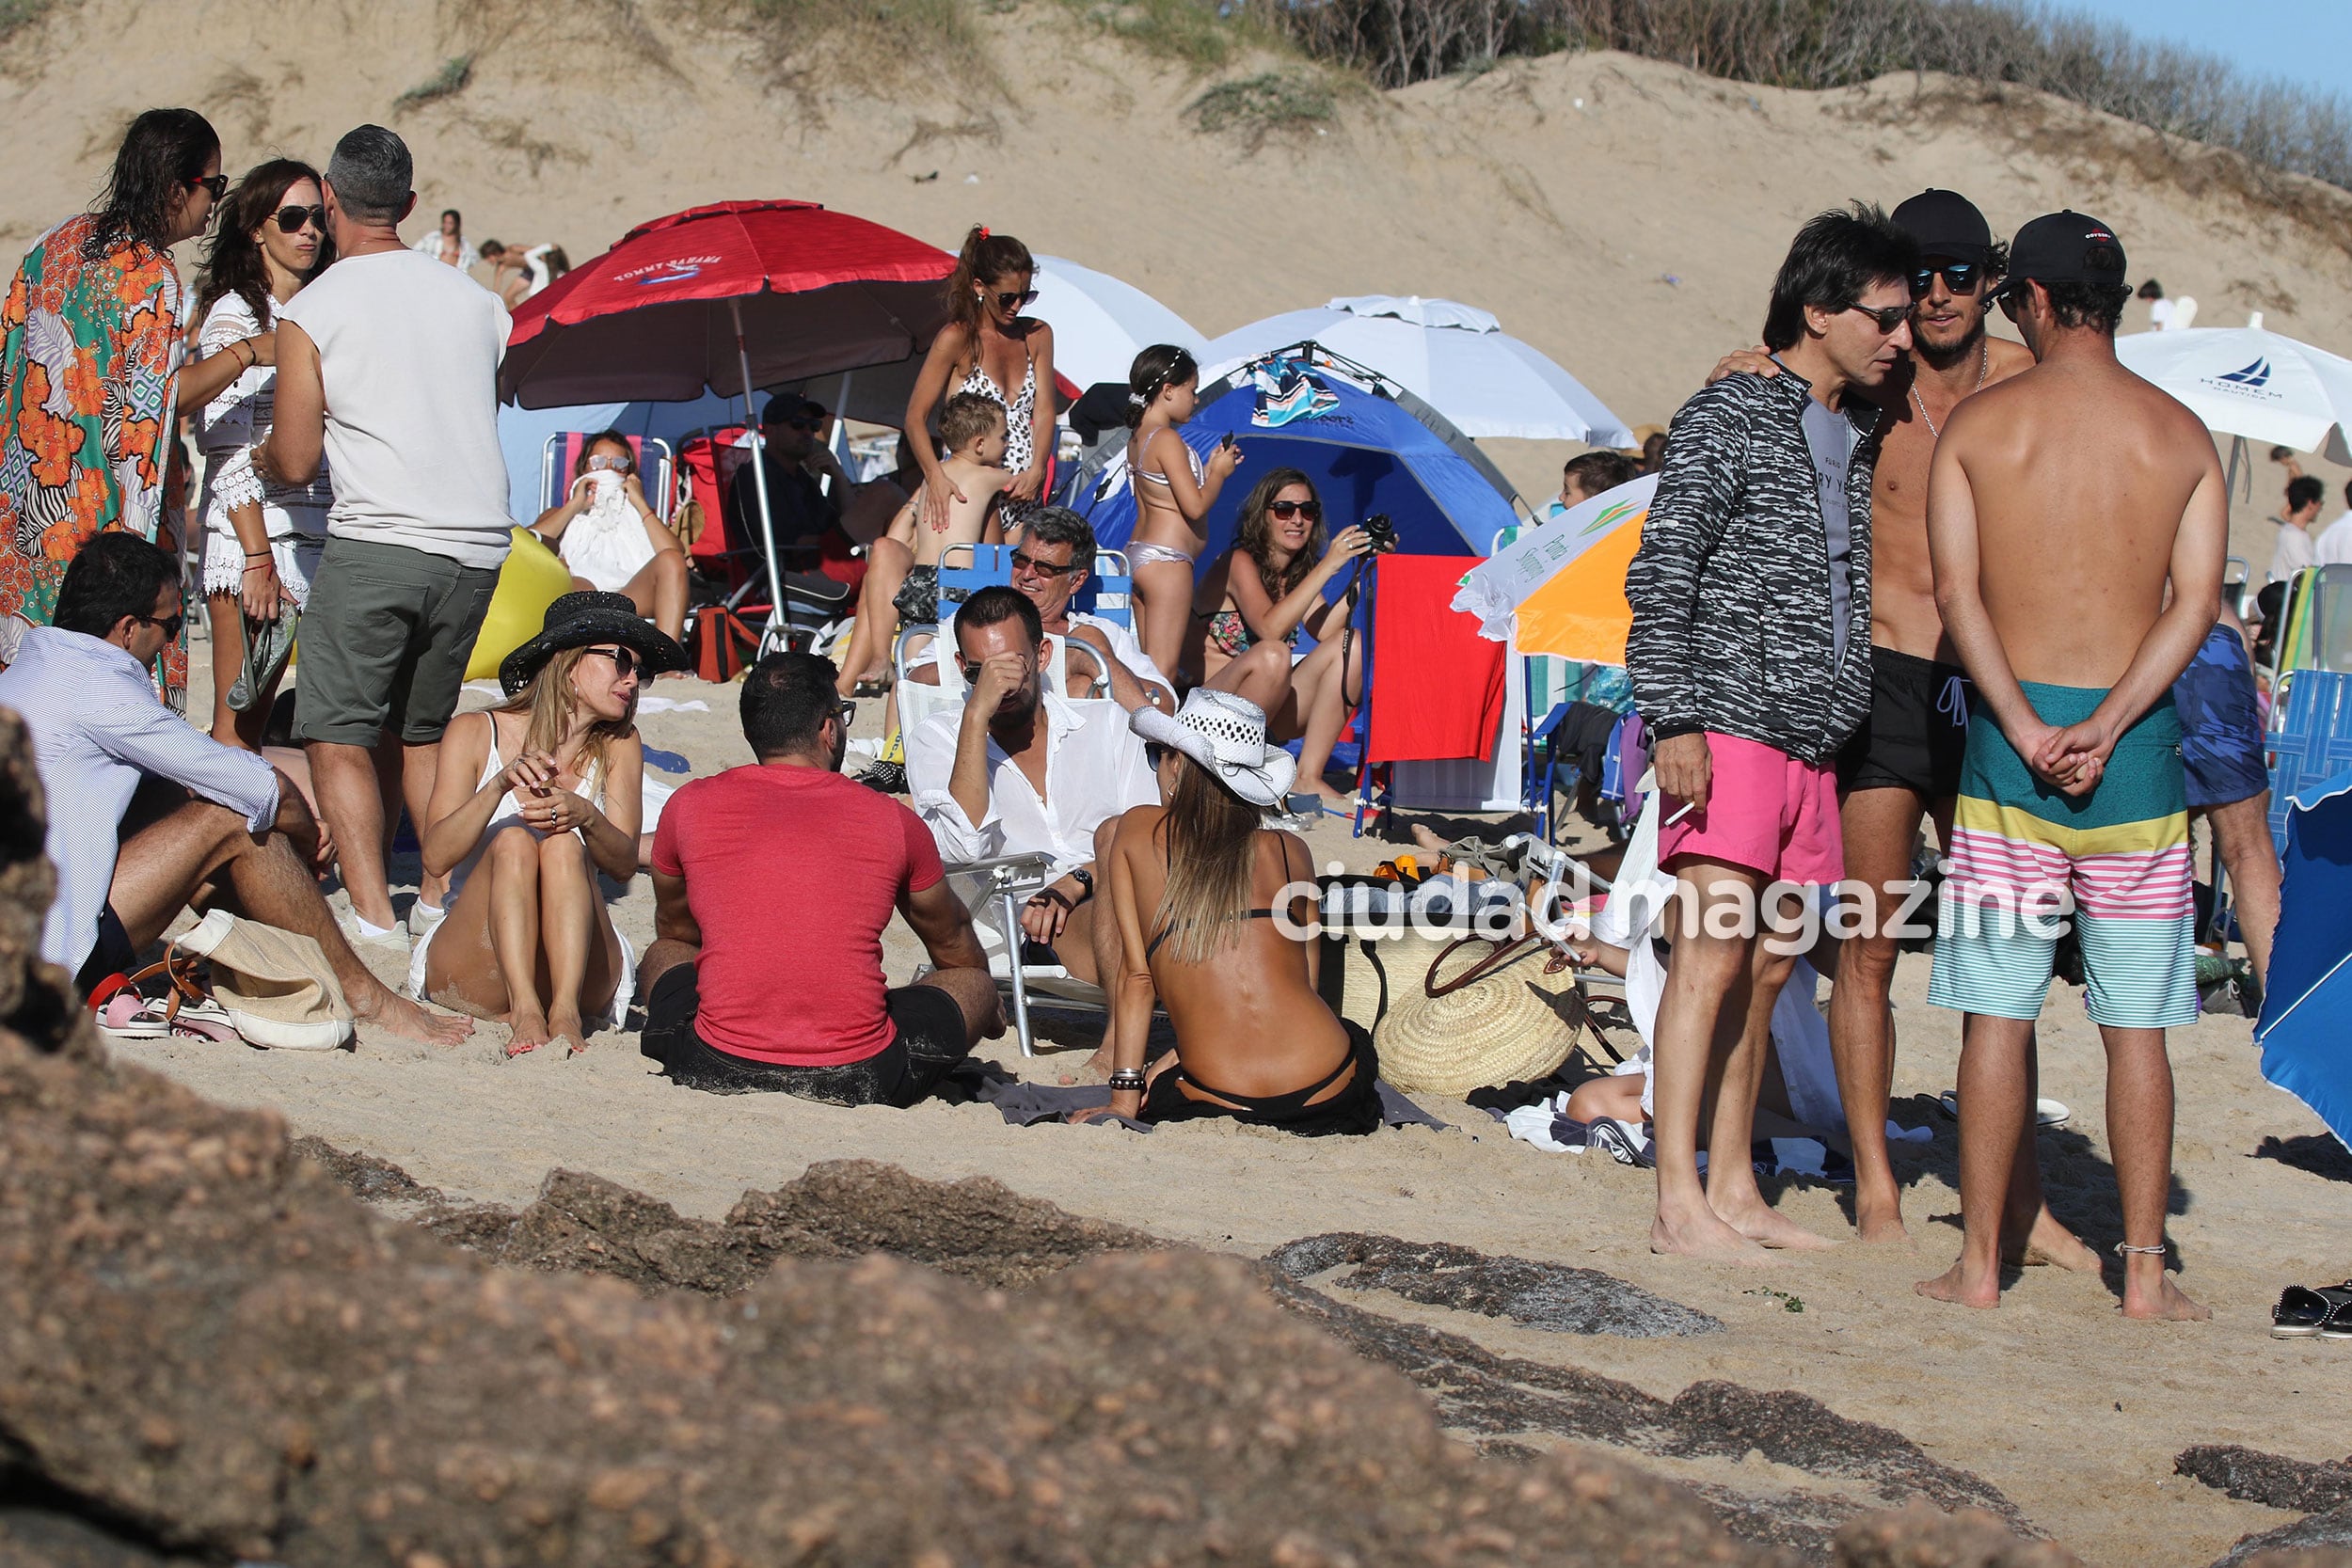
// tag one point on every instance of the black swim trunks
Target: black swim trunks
(928, 1041)
(917, 599)
(1917, 731)
(1356, 1109)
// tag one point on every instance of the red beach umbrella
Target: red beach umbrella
(726, 299)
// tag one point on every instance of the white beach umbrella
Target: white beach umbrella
(1454, 357)
(1100, 324)
(2248, 382)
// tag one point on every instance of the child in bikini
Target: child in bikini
(1173, 490)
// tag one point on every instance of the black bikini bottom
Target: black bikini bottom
(1355, 1109)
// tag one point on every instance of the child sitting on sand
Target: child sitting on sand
(904, 570)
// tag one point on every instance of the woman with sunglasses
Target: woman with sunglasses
(534, 799)
(987, 347)
(90, 348)
(610, 539)
(1255, 600)
(262, 542)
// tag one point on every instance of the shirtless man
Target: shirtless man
(2059, 505)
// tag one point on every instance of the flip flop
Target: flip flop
(2046, 1113)
(2304, 1313)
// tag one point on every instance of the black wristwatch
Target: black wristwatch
(1085, 879)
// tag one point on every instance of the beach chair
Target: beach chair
(2236, 581)
(657, 468)
(1110, 590)
(2309, 739)
(994, 891)
(728, 554)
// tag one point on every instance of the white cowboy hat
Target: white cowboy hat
(1226, 734)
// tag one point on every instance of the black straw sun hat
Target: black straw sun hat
(583, 620)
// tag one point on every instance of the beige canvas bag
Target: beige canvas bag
(275, 986)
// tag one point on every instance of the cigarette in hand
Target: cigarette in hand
(1688, 807)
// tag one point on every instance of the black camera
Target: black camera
(1381, 531)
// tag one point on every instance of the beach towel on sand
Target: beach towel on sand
(1025, 1103)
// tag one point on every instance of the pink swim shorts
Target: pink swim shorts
(1765, 811)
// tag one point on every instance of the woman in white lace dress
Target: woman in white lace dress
(262, 542)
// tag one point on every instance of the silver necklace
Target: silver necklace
(1984, 364)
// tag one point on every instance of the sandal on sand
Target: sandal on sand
(2304, 1313)
(185, 1010)
(2046, 1113)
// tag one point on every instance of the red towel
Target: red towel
(1437, 685)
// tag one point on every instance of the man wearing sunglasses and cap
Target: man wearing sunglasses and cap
(2062, 507)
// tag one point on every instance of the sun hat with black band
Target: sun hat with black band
(2064, 248)
(1226, 734)
(1946, 223)
(582, 621)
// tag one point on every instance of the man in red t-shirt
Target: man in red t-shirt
(772, 884)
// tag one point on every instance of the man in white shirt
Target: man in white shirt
(1021, 771)
(147, 814)
(388, 362)
(2333, 547)
(2295, 550)
(1050, 566)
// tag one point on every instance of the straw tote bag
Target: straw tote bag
(1472, 1012)
(275, 986)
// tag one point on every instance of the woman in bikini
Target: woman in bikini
(988, 346)
(1174, 490)
(1198, 889)
(534, 799)
(1253, 602)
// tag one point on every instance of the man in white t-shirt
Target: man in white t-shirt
(2296, 548)
(2333, 547)
(388, 362)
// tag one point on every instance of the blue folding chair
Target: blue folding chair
(1109, 592)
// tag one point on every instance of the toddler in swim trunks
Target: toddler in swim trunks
(973, 428)
(2025, 857)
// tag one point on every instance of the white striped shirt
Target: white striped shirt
(98, 728)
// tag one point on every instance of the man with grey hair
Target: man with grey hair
(388, 361)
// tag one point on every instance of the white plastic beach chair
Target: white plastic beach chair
(996, 890)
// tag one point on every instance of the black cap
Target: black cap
(2066, 247)
(789, 405)
(1946, 223)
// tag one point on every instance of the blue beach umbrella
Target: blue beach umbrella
(2303, 1031)
(1368, 445)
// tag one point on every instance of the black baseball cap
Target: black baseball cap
(2065, 247)
(789, 405)
(1946, 223)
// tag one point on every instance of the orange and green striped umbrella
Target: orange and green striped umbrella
(1561, 585)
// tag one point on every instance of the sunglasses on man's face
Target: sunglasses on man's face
(216, 183)
(1020, 301)
(1959, 276)
(292, 220)
(624, 661)
(1024, 562)
(1287, 510)
(1888, 320)
(169, 625)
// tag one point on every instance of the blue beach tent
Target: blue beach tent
(1368, 445)
(2302, 1030)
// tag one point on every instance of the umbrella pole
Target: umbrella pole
(759, 483)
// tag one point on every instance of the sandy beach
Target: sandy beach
(2072, 1412)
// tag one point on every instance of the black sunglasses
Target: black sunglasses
(1287, 510)
(1959, 276)
(625, 662)
(290, 220)
(169, 625)
(1020, 301)
(1887, 320)
(1024, 562)
(216, 183)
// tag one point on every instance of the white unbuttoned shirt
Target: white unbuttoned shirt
(1094, 770)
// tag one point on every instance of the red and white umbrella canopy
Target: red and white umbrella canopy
(657, 316)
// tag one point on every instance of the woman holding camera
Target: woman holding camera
(1255, 600)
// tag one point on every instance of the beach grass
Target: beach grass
(1271, 103)
(878, 43)
(1199, 34)
(446, 83)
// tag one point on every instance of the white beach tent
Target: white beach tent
(2254, 383)
(1455, 357)
(1100, 324)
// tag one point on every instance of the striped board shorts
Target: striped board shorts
(2026, 858)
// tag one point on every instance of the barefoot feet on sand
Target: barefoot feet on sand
(2157, 1298)
(526, 1032)
(1965, 1286)
(1702, 1234)
(400, 1017)
(566, 1029)
(1766, 1226)
(2050, 1243)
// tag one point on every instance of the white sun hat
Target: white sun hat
(1226, 734)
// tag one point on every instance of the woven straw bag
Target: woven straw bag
(1505, 1026)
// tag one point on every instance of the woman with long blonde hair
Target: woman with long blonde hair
(1201, 892)
(555, 796)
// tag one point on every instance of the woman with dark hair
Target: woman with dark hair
(610, 537)
(262, 541)
(1173, 491)
(447, 243)
(1254, 601)
(1202, 894)
(89, 360)
(554, 797)
(989, 348)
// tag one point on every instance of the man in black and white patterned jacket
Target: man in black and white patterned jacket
(1749, 656)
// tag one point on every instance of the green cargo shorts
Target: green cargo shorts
(385, 640)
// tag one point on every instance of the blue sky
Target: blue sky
(2307, 42)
